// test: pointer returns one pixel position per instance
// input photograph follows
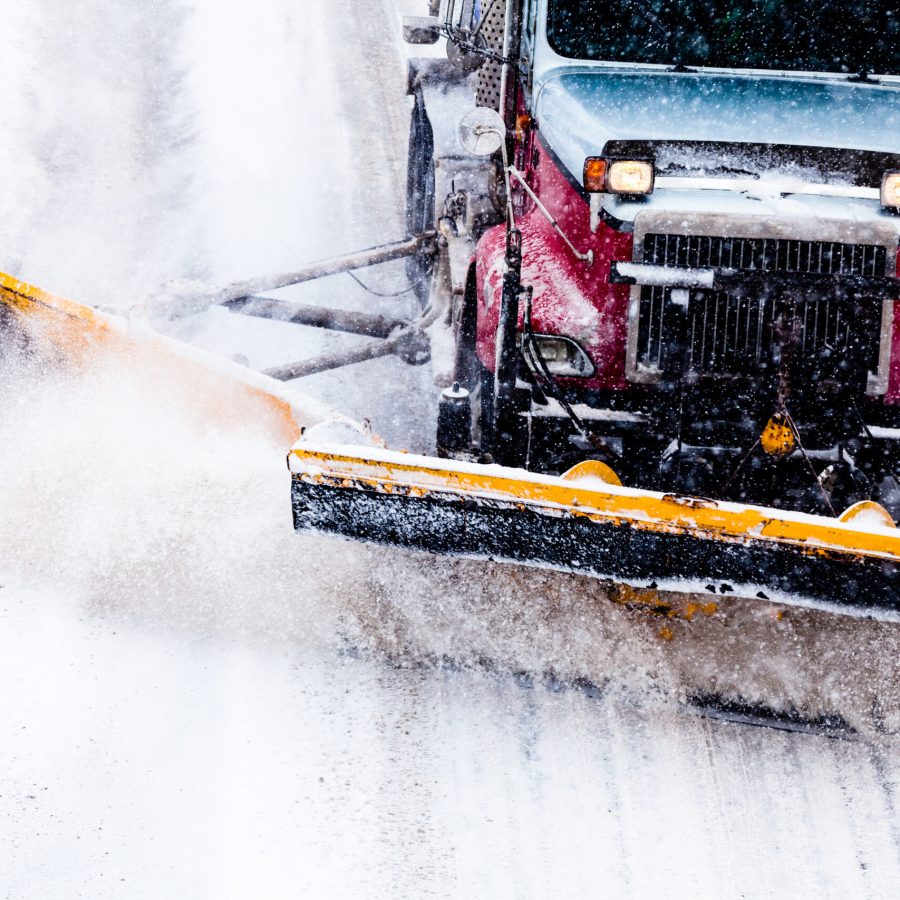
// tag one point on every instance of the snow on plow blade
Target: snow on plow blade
(577, 523)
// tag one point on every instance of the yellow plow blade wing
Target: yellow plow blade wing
(51, 331)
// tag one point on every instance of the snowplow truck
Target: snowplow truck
(655, 245)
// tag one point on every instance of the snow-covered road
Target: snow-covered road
(188, 705)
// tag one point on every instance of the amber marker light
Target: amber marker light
(595, 175)
(523, 123)
(630, 176)
(890, 190)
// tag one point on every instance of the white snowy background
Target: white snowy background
(188, 703)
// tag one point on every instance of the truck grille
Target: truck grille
(733, 336)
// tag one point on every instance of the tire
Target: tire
(420, 196)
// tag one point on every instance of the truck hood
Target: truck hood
(579, 111)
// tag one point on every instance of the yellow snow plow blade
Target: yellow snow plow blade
(583, 522)
(47, 330)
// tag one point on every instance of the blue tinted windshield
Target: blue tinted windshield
(850, 36)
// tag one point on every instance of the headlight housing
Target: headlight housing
(628, 177)
(562, 356)
(890, 190)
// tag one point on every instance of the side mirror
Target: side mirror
(421, 29)
(482, 131)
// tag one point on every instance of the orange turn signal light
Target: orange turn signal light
(523, 123)
(595, 174)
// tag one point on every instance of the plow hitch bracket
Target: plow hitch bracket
(394, 336)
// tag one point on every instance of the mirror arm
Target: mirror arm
(584, 257)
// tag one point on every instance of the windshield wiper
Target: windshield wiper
(863, 76)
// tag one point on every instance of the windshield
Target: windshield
(850, 36)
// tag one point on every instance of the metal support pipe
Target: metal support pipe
(411, 344)
(198, 301)
(353, 322)
(329, 361)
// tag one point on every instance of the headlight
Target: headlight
(618, 176)
(562, 356)
(890, 190)
(630, 176)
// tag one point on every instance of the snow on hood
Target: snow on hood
(580, 111)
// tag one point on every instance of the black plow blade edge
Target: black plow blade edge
(481, 528)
